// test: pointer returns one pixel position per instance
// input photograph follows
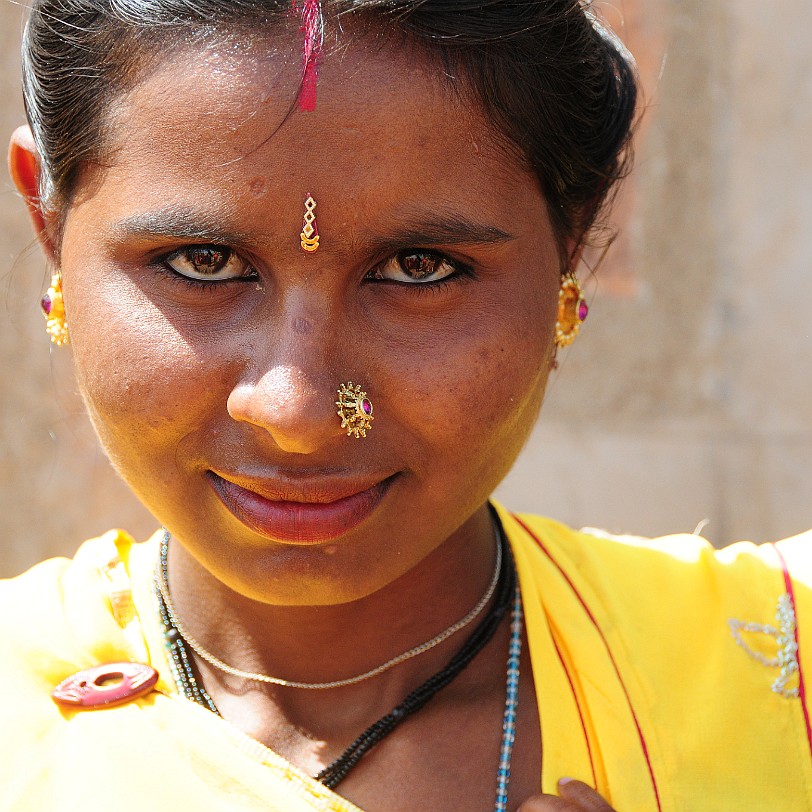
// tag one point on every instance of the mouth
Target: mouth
(313, 514)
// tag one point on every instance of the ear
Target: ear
(24, 166)
(575, 252)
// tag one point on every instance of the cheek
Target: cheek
(145, 387)
(475, 398)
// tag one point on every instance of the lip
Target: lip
(310, 512)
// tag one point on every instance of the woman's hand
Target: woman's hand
(573, 796)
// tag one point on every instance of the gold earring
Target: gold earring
(310, 231)
(354, 409)
(572, 310)
(53, 308)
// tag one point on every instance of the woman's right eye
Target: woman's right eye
(209, 263)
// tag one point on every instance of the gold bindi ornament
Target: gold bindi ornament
(354, 409)
(53, 308)
(310, 231)
(572, 310)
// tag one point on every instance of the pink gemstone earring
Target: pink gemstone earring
(354, 409)
(572, 310)
(53, 308)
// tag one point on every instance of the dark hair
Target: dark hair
(546, 72)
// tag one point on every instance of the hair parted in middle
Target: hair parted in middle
(551, 78)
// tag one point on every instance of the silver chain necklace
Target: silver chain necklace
(162, 585)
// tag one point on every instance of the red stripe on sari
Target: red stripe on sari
(580, 713)
(640, 736)
(801, 686)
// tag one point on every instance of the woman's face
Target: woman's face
(209, 346)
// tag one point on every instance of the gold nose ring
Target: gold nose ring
(354, 409)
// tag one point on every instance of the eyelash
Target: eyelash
(161, 264)
(197, 285)
(462, 272)
(430, 288)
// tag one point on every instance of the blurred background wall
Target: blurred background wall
(686, 400)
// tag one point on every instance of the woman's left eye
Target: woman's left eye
(208, 263)
(416, 267)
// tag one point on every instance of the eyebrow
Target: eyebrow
(203, 226)
(443, 228)
(433, 228)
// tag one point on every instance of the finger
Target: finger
(583, 796)
(546, 803)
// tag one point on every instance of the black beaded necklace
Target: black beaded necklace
(190, 685)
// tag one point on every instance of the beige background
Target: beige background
(688, 396)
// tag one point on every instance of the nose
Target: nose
(296, 410)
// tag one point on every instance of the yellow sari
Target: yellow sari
(656, 666)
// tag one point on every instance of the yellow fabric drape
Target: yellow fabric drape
(642, 688)
(675, 714)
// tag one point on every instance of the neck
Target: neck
(328, 643)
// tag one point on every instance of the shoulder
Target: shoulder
(674, 599)
(698, 639)
(61, 615)
(677, 600)
(58, 618)
(680, 567)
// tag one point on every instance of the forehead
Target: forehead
(221, 124)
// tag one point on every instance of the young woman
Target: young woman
(314, 263)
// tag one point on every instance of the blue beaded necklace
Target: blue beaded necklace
(511, 703)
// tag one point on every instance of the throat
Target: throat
(347, 644)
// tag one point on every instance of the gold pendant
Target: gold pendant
(310, 231)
